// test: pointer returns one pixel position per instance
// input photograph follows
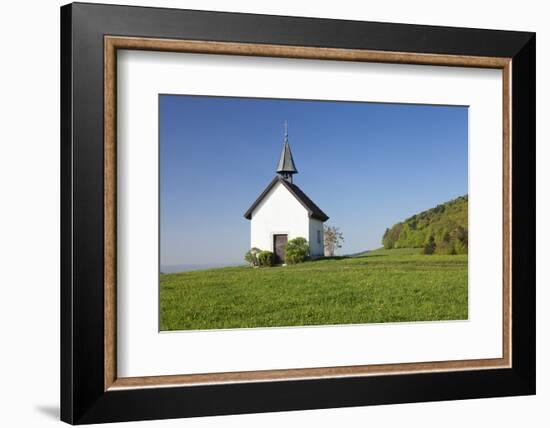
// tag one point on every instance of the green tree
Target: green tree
(429, 248)
(392, 236)
(251, 256)
(446, 223)
(265, 258)
(296, 250)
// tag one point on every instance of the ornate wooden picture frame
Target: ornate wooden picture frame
(91, 390)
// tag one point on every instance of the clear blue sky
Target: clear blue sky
(367, 165)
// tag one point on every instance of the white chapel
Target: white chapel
(283, 212)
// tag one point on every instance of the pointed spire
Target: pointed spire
(286, 167)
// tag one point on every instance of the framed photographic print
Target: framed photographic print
(265, 213)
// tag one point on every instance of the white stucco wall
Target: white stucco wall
(278, 213)
(316, 247)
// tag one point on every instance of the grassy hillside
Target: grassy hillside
(378, 286)
(443, 229)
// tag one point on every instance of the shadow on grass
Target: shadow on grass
(363, 256)
(354, 256)
(321, 259)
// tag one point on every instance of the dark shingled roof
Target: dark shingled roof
(313, 210)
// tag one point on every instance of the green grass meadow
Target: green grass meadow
(379, 286)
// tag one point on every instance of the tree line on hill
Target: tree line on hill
(439, 230)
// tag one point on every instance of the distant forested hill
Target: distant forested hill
(441, 230)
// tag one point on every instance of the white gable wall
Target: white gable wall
(278, 213)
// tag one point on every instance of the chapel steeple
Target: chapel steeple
(286, 167)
